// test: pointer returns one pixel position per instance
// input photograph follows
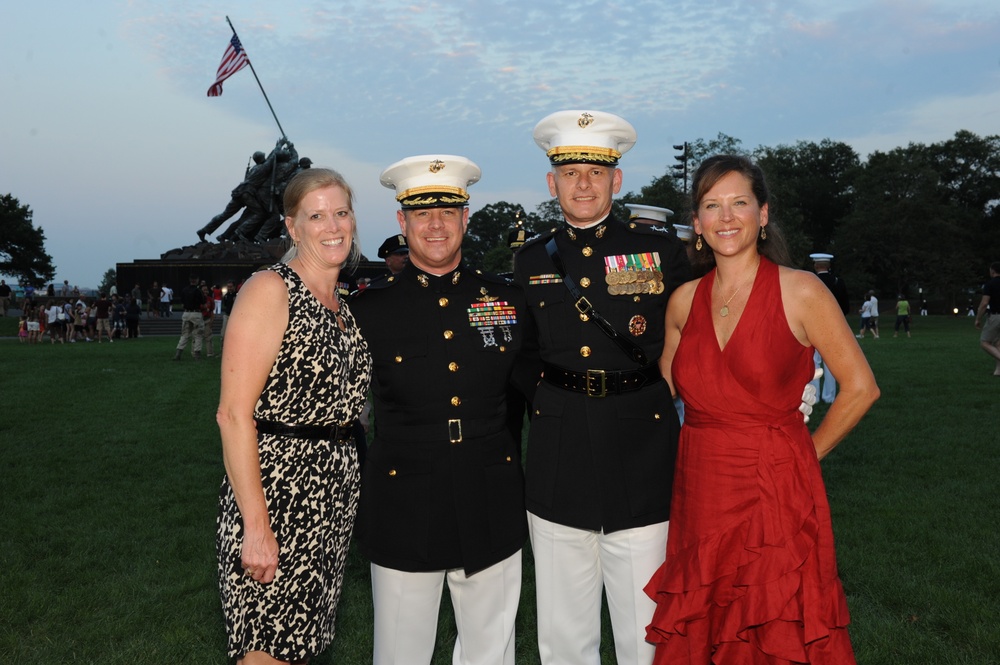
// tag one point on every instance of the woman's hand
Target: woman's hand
(260, 555)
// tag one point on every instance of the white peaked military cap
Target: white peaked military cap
(431, 181)
(684, 232)
(639, 211)
(819, 256)
(584, 137)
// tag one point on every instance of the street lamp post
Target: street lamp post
(681, 167)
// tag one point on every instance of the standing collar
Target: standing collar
(588, 235)
(411, 273)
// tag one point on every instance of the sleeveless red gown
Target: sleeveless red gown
(750, 575)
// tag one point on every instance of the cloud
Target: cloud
(933, 121)
(359, 84)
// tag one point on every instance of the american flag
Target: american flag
(233, 60)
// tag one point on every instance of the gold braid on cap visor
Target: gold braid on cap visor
(576, 153)
(436, 195)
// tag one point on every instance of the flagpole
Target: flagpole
(249, 62)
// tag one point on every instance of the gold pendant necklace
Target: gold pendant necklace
(724, 312)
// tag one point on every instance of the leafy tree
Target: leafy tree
(667, 192)
(926, 216)
(663, 192)
(488, 230)
(498, 259)
(549, 216)
(22, 246)
(969, 167)
(110, 278)
(812, 191)
(722, 144)
(904, 232)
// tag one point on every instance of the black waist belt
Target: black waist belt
(329, 432)
(453, 430)
(599, 382)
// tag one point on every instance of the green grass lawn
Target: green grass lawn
(111, 465)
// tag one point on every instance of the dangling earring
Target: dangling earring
(763, 233)
(697, 245)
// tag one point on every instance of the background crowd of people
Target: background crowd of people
(111, 317)
(80, 320)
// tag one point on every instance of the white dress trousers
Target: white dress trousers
(485, 605)
(572, 566)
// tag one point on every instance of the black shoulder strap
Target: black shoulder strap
(631, 349)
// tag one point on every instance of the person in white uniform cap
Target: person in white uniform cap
(442, 490)
(645, 214)
(821, 263)
(603, 435)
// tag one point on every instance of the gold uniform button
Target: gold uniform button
(587, 251)
(452, 367)
(631, 225)
(635, 298)
(585, 351)
(392, 472)
(443, 302)
(584, 282)
(399, 359)
(502, 348)
(584, 317)
(508, 458)
(448, 334)
(656, 416)
(541, 304)
(537, 412)
(456, 400)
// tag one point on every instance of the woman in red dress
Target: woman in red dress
(750, 574)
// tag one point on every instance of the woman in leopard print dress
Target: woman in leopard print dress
(295, 374)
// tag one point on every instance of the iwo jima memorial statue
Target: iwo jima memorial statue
(256, 238)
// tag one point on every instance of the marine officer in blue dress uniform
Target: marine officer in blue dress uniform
(603, 434)
(442, 496)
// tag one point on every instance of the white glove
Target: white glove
(809, 397)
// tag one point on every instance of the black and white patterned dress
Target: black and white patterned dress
(320, 376)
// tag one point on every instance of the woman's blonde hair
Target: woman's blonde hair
(309, 180)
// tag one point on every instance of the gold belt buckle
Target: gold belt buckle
(455, 430)
(599, 376)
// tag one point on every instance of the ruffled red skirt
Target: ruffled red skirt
(750, 575)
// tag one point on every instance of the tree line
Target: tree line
(922, 220)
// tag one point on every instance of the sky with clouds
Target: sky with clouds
(106, 131)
